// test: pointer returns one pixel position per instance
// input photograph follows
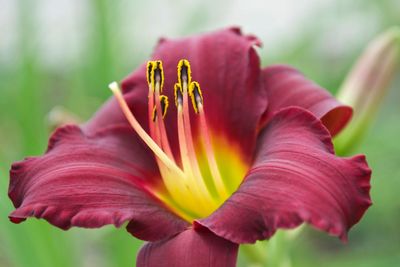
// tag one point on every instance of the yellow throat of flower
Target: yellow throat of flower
(209, 170)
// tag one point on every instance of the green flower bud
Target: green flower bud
(366, 86)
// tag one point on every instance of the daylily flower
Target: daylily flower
(248, 153)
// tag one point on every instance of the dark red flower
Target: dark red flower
(254, 155)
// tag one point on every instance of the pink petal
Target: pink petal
(295, 178)
(191, 248)
(286, 87)
(227, 67)
(110, 113)
(91, 181)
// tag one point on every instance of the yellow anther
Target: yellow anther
(178, 95)
(184, 72)
(155, 75)
(196, 95)
(149, 73)
(164, 106)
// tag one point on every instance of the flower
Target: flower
(252, 156)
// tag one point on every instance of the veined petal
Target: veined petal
(286, 87)
(191, 248)
(91, 181)
(226, 65)
(295, 178)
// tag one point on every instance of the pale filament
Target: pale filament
(189, 141)
(189, 160)
(212, 162)
(160, 122)
(197, 101)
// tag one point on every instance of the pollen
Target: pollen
(155, 75)
(184, 72)
(149, 72)
(158, 73)
(164, 106)
(178, 95)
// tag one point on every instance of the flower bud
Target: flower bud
(367, 84)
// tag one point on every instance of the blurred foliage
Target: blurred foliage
(30, 89)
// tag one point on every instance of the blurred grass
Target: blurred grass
(30, 89)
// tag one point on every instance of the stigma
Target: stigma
(192, 179)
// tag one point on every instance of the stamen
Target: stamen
(183, 143)
(197, 100)
(150, 82)
(186, 157)
(184, 77)
(158, 81)
(154, 133)
(160, 135)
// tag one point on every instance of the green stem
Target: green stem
(275, 252)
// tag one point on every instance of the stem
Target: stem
(272, 253)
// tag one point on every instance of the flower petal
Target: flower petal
(91, 181)
(228, 69)
(191, 248)
(295, 178)
(286, 87)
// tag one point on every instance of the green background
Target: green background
(34, 79)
